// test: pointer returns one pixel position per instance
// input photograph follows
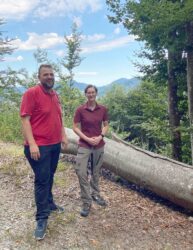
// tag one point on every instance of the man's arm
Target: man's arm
(27, 131)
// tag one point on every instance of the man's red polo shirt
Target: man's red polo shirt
(91, 122)
(45, 115)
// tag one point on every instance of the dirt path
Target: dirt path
(131, 220)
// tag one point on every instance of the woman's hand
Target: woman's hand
(94, 141)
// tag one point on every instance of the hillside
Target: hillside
(102, 90)
(133, 219)
(124, 82)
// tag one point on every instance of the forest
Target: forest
(149, 196)
(158, 114)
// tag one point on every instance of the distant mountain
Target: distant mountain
(124, 82)
(102, 90)
(79, 85)
(128, 83)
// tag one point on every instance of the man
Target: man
(91, 125)
(44, 134)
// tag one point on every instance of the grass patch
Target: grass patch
(14, 167)
(60, 181)
(63, 166)
(12, 160)
(71, 217)
(60, 221)
(11, 150)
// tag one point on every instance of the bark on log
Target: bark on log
(168, 178)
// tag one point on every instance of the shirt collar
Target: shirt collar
(86, 106)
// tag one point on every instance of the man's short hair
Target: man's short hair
(44, 66)
(90, 86)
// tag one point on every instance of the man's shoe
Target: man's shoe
(99, 200)
(40, 230)
(56, 208)
(85, 210)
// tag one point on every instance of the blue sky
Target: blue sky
(108, 50)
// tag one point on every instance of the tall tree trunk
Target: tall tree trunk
(174, 117)
(189, 31)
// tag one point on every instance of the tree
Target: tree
(70, 97)
(10, 84)
(161, 25)
(5, 43)
(140, 115)
(41, 55)
(115, 100)
(189, 49)
(72, 59)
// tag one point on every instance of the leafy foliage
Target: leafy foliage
(162, 25)
(14, 83)
(141, 115)
(73, 45)
(10, 126)
(5, 43)
(70, 99)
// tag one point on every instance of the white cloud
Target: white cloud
(87, 39)
(60, 53)
(20, 58)
(44, 41)
(64, 7)
(13, 59)
(117, 31)
(12, 9)
(52, 40)
(109, 45)
(93, 38)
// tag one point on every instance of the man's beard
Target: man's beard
(48, 85)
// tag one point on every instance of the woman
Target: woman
(91, 125)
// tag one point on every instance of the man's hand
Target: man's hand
(64, 143)
(34, 151)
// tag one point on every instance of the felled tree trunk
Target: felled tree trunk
(166, 177)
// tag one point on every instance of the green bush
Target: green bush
(10, 125)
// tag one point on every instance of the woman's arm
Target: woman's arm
(76, 129)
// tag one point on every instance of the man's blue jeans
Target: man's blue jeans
(44, 170)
